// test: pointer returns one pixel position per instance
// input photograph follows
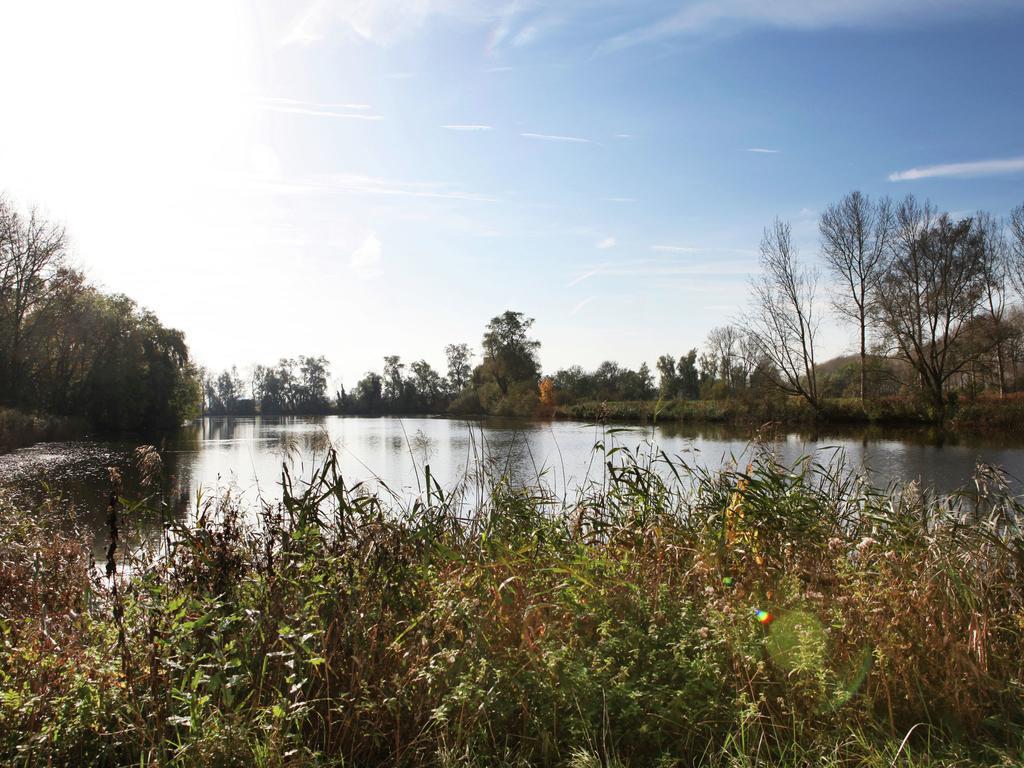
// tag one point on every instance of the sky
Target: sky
(369, 177)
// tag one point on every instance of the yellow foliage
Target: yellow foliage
(547, 391)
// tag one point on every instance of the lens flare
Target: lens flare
(763, 616)
(729, 581)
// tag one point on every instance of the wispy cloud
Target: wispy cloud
(763, 150)
(581, 305)
(606, 243)
(663, 268)
(316, 109)
(382, 22)
(281, 101)
(977, 168)
(468, 127)
(532, 31)
(675, 248)
(552, 137)
(709, 15)
(583, 276)
(307, 28)
(670, 248)
(625, 136)
(355, 184)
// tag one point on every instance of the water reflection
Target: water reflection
(246, 455)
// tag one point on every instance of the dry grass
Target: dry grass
(621, 627)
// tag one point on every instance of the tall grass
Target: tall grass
(663, 616)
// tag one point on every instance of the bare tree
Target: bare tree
(723, 346)
(855, 235)
(1016, 249)
(782, 320)
(930, 292)
(994, 264)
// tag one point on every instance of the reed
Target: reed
(666, 615)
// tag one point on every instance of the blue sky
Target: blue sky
(364, 178)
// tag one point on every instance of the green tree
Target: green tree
(311, 394)
(427, 385)
(510, 355)
(689, 376)
(460, 370)
(668, 384)
(394, 382)
(368, 396)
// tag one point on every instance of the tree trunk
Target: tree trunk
(863, 363)
(1000, 365)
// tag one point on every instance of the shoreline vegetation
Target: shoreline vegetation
(935, 300)
(18, 429)
(1006, 414)
(665, 616)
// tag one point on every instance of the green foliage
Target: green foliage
(504, 384)
(609, 381)
(664, 616)
(510, 355)
(68, 349)
(292, 386)
(139, 374)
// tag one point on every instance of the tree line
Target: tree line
(68, 348)
(935, 303)
(935, 300)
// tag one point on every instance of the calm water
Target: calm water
(246, 454)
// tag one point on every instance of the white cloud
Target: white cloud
(468, 127)
(699, 16)
(552, 137)
(365, 260)
(581, 305)
(319, 112)
(583, 276)
(525, 36)
(381, 21)
(664, 268)
(664, 248)
(356, 184)
(281, 101)
(532, 31)
(675, 248)
(977, 168)
(763, 150)
(606, 243)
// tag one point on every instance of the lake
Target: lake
(246, 455)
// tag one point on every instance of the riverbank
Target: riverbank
(980, 414)
(788, 617)
(19, 429)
